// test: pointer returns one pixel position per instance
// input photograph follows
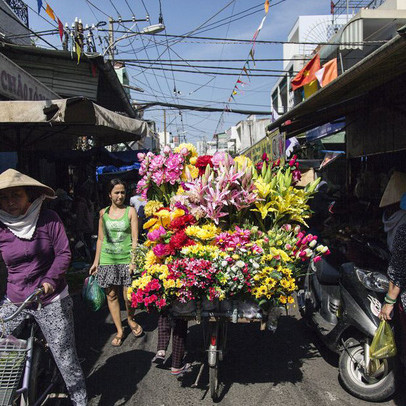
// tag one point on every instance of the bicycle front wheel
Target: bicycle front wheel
(216, 337)
(214, 382)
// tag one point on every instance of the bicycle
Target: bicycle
(215, 331)
(28, 363)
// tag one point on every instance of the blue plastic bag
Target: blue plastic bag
(92, 294)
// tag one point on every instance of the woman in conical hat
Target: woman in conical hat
(35, 249)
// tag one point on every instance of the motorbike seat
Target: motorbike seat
(326, 273)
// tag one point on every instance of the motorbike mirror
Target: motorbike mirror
(331, 207)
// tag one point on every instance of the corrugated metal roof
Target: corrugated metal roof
(66, 79)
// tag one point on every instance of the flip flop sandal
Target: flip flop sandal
(159, 358)
(186, 368)
(117, 341)
(137, 331)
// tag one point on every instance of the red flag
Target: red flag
(332, 6)
(60, 28)
(307, 74)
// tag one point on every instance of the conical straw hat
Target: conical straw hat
(394, 189)
(13, 178)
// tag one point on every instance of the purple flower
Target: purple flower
(160, 250)
(156, 234)
(158, 177)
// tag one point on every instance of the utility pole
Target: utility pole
(164, 127)
(111, 39)
(111, 32)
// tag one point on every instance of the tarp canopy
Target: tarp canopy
(56, 124)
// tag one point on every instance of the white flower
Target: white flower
(240, 264)
(255, 265)
(224, 263)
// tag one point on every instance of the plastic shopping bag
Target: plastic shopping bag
(93, 294)
(383, 345)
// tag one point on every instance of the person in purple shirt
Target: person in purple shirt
(36, 252)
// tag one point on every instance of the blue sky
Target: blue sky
(181, 17)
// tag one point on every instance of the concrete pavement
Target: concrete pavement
(289, 367)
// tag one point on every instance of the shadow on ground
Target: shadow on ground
(123, 372)
(255, 356)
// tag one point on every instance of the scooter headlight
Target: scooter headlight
(374, 281)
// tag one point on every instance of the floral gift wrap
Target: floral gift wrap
(221, 228)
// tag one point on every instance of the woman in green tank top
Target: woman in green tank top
(117, 237)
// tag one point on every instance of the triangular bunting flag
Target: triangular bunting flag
(234, 92)
(50, 12)
(245, 71)
(39, 5)
(252, 55)
(60, 28)
(78, 51)
(266, 6)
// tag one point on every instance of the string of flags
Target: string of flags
(244, 76)
(77, 39)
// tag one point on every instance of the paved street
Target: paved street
(259, 368)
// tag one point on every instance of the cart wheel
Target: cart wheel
(214, 382)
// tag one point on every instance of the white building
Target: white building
(240, 136)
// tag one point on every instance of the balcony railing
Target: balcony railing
(339, 7)
(20, 10)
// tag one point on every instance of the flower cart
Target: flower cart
(225, 240)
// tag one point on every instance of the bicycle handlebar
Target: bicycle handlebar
(30, 299)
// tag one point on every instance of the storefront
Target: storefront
(371, 97)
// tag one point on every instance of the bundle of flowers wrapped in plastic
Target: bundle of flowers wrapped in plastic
(221, 228)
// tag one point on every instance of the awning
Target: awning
(348, 92)
(325, 130)
(56, 124)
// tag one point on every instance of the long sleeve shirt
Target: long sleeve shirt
(30, 263)
(397, 265)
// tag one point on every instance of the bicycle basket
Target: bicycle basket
(12, 360)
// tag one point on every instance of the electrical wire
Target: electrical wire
(268, 42)
(217, 67)
(207, 73)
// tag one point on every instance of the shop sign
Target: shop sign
(273, 144)
(17, 84)
(325, 130)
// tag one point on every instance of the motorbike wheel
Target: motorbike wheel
(376, 386)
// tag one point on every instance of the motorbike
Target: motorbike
(341, 301)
